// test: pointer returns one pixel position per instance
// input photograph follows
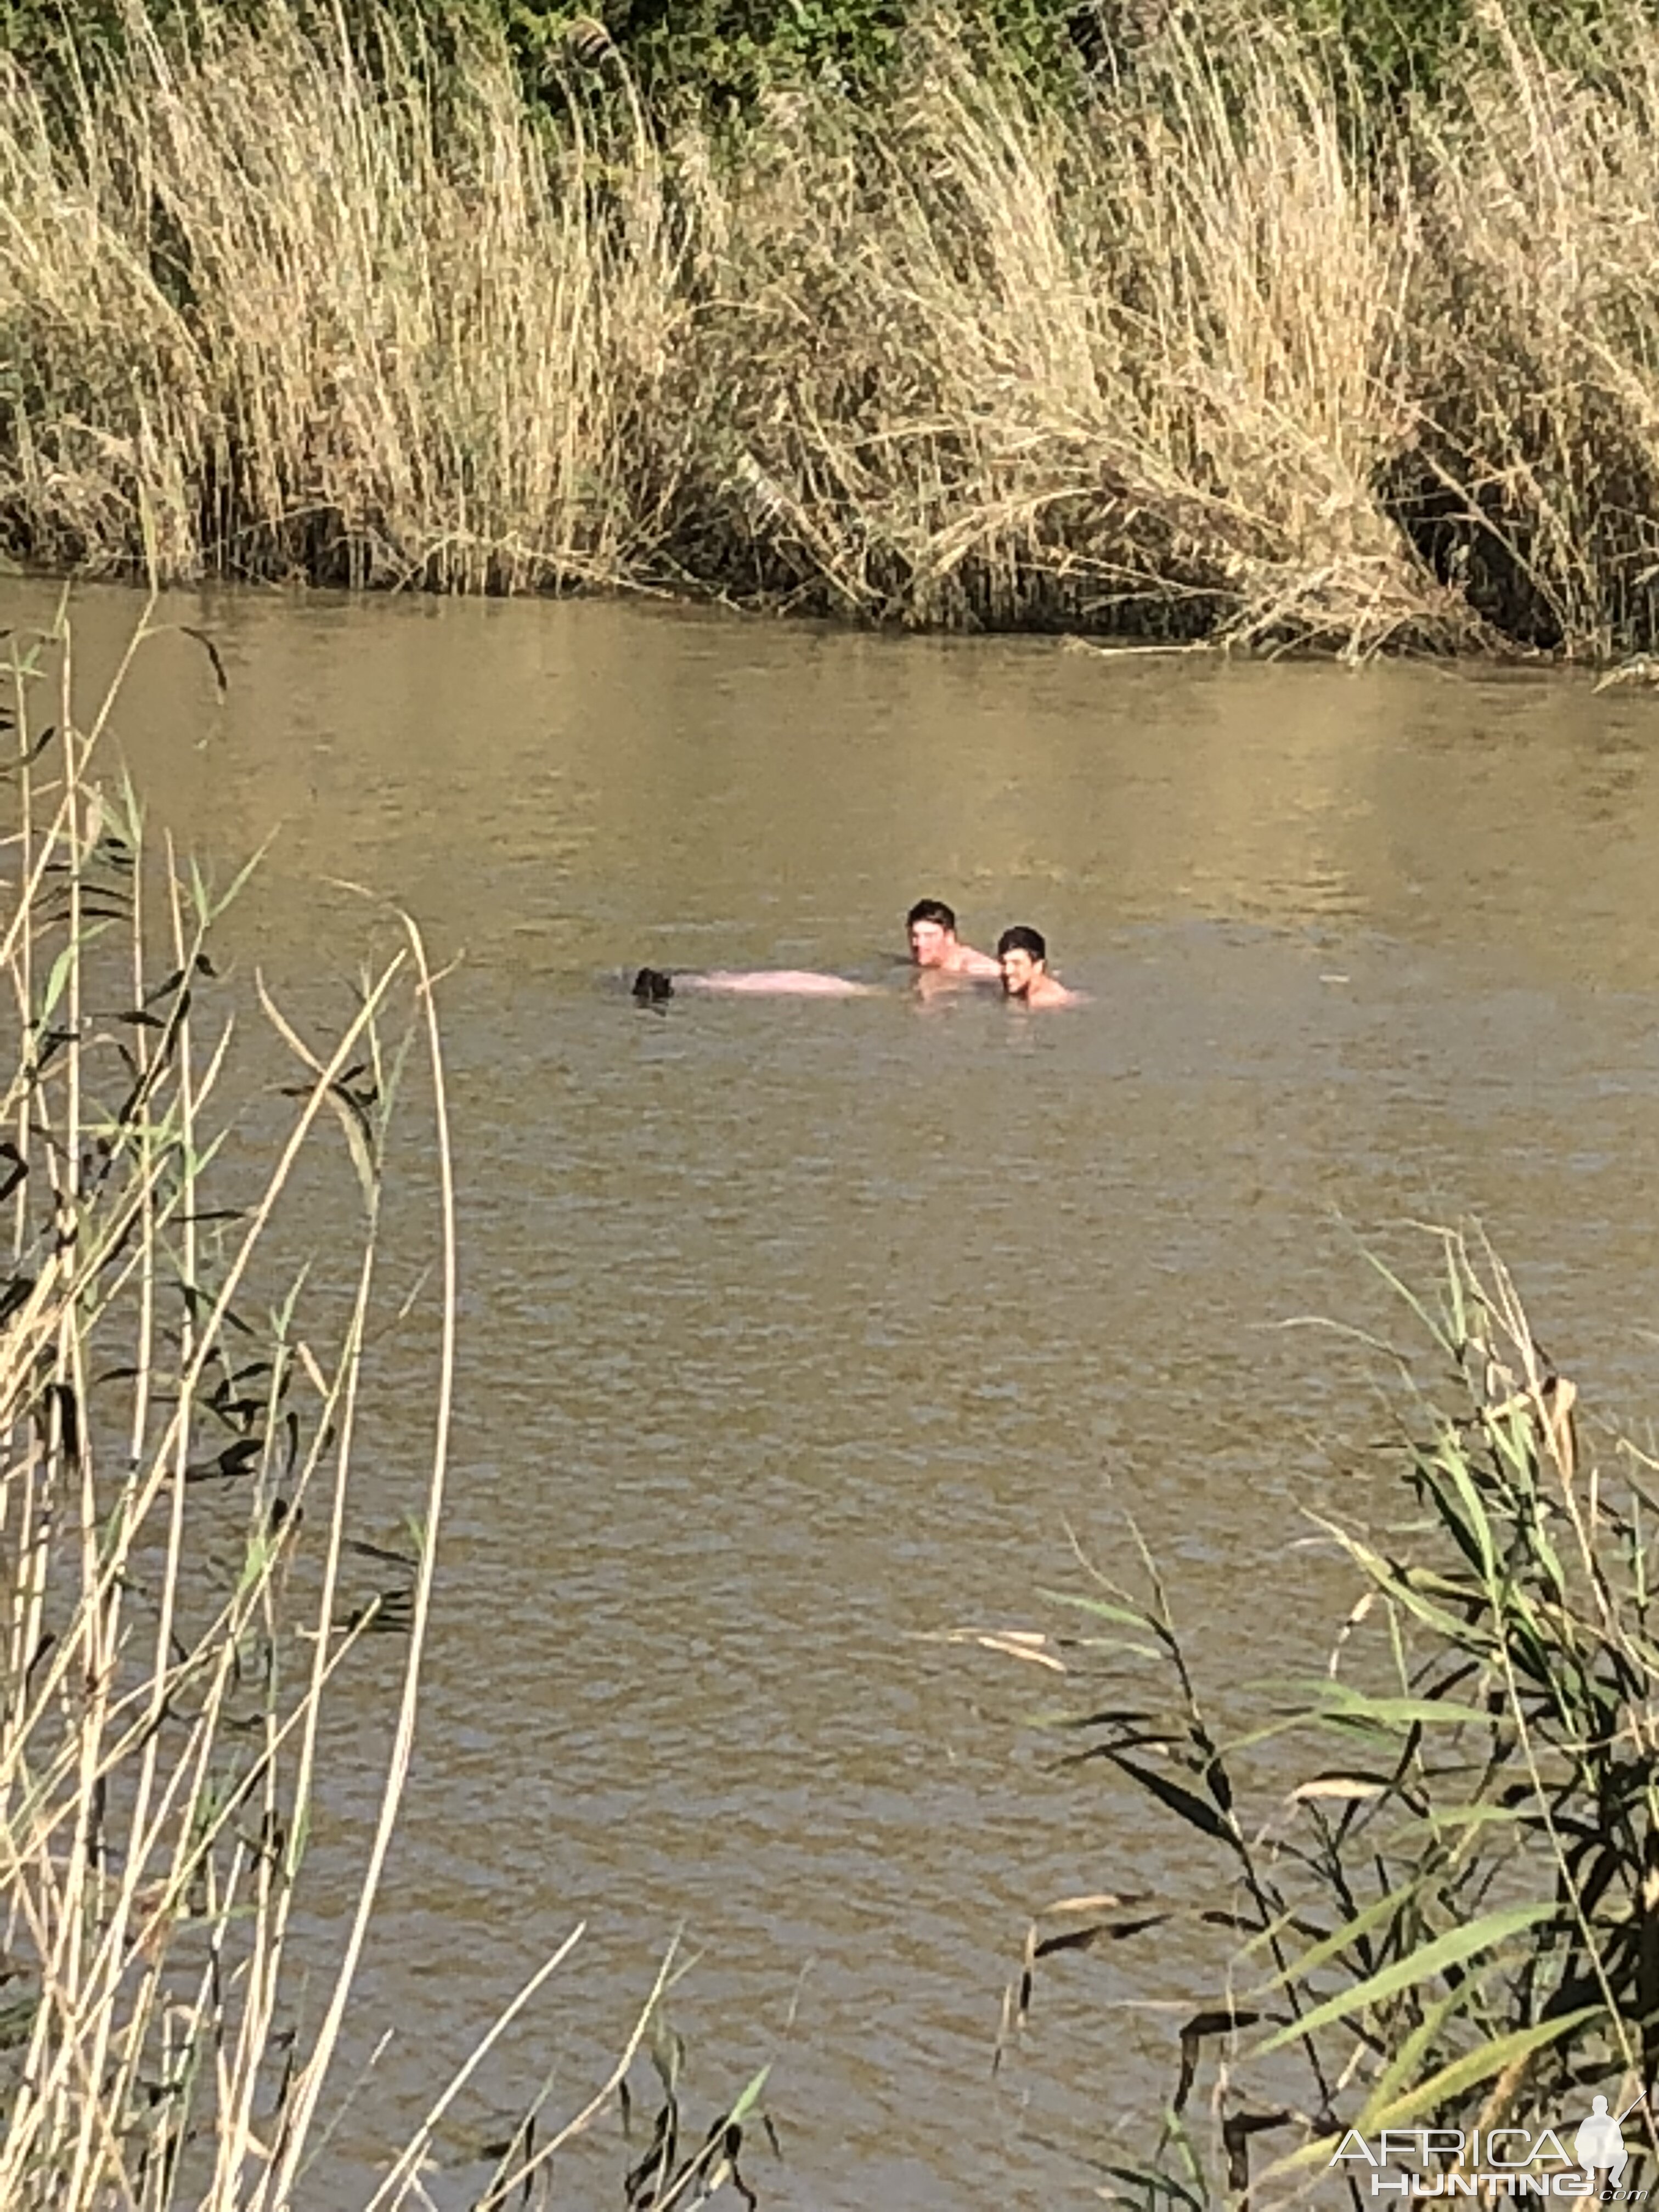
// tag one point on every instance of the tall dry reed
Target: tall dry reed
(1196, 356)
(1142, 367)
(1536, 339)
(183, 1592)
(356, 328)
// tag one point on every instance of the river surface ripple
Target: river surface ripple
(793, 1332)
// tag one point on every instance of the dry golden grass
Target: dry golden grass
(254, 295)
(1183, 360)
(1144, 370)
(1536, 338)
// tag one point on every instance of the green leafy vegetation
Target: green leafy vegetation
(1434, 1895)
(730, 51)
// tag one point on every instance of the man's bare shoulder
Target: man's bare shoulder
(1050, 991)
(977, 967)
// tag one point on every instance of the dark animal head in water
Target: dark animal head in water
(652, 986)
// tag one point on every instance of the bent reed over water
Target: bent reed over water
(1206, 348)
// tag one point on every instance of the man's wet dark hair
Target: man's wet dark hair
(931, 910)
(652, 986)
(1019, 938)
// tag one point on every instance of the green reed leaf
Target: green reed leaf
(1196, 1810)
(1473, 2066)
(1413, 2050)
(1124, 1616)
(1372, 1915)
(1450, 1949)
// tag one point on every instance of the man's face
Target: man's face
(930, 944)
(1017, 969)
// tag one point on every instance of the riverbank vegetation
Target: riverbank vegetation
(210, 1653)
(1214, 344)
(181, 1599)
(1438, 1860)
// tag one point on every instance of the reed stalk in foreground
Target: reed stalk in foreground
(174, 1503)
(1439, 1859)
(182, 1596)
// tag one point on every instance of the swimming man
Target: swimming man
(936, 953)
(1023, 955)
(935, 947)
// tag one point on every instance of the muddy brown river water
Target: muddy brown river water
(794, 1332)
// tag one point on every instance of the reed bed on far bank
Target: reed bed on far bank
(1197, 355)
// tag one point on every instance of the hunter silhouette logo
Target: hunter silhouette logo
(1599, 2142)
(1501, 2161)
